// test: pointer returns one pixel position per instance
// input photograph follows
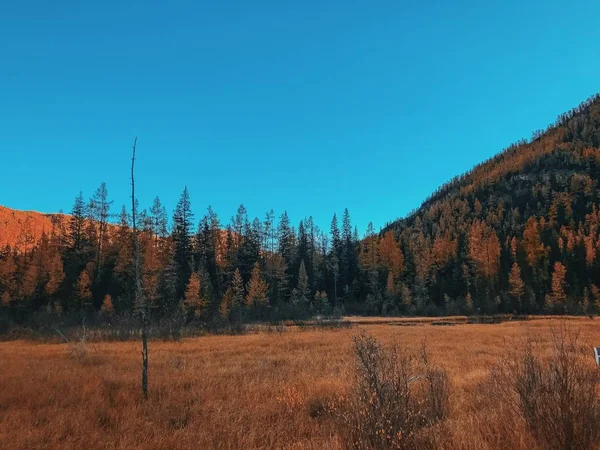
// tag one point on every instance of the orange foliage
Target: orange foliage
(444, 250)
(532, 242)
(484, 249)
(390, 254)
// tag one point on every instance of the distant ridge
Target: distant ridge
(23, 228)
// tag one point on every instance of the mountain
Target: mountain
(20, 229)
(517, 232)
(520, 233)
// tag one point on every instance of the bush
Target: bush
(557, 397)
(395, 395)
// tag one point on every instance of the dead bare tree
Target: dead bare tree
(138, 296)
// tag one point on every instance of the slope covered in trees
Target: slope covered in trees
(518, 233)
(23, 229)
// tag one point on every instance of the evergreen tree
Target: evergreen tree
(99, 209)
(158, 218)
(303, 287)
(77, 224)
(182, 239)
(236, 295)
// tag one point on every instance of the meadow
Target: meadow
(260, 390)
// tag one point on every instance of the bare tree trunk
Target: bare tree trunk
(138, 297)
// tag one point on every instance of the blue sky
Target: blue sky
(307, 106)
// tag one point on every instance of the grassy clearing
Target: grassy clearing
(262, 390)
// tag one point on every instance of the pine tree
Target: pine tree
(107, 306)
(182, 239)
(30, 278)
(226, 304)
(123, 269)
(390, 254)
(257, 289)
(237, 295)
(99, 209)
(8, 278)
(303, 286)
(321, 302)
(84, 288)
(336, 240)
(158, 217)
(77, 224)
(469, 302)
(193, 300)
(557, 295)
(369, 254)
(516, 287)
(56, 274)
(167, 287)
(390, 294)
(287, 248)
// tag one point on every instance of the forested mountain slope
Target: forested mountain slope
(518, 232)
(23, 228)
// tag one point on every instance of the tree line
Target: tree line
(517, 234)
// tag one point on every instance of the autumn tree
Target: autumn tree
(56, 275)
(84, 288)
(390, 254)
(256, 289)
(369, 252)
(484, 249)
(194, 302)
(516, 287)
(557, 295)
(107, 306)
(8, 280)
(532, 243)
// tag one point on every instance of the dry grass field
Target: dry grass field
(264, 390)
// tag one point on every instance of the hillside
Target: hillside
(518, 233)
(531, 212)
(23, 228)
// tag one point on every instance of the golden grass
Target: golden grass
(265, 390)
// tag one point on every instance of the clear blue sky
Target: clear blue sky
(308, 106)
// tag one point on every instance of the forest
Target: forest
(518, 234)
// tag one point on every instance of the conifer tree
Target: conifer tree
(84, 288)
(303, 287)
(516, 287)
(8, 278)
(107, 306)
(182, 239)
(99, 209)
(256, 289)
(237, 295)
(336, 240)
(77, 224)
(193, 300)
(56, 274)
(158, 217)
(557, 296)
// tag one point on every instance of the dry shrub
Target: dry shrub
(556, 396)
(395, 396)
